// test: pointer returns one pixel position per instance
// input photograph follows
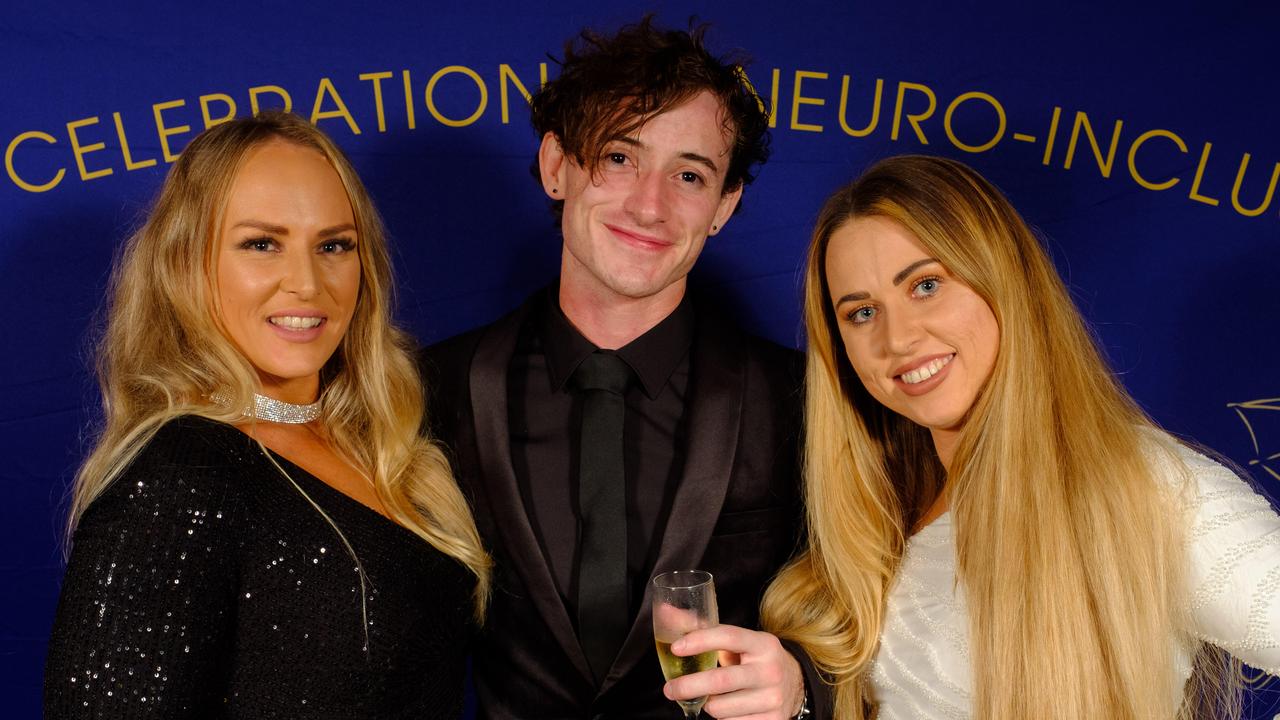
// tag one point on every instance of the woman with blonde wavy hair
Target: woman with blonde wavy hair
(996, 530)
(260, 530)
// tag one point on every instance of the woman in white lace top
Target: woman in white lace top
(996, 530)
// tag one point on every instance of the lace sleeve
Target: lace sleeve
(144, 624)
(1234, 574)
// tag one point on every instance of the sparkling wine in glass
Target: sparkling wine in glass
(684, 601)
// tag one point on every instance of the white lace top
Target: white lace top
(922, 669)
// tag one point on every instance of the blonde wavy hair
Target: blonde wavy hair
(163, 352)
(1069, 551)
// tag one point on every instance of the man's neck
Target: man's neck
(610, 321)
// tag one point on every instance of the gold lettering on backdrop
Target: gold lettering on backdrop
(129, 163)
(256, 92)
(209, 119)
(1266, 199)
(797, 100)
(326, 89)
(773, 94)
(812, 101)
(1195, 184)
(408, 100)
(1000, 128)
(1053, 135)
(914, 119)
(166, 132)
(431, 103)
(875, 109)
(505, 74)
(13, 173)
(377, 79)
(1133, 159)
(81, 150)
(741, 73)
(1082, 123)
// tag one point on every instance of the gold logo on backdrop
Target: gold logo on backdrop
(1251, 408)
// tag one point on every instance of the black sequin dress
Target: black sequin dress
(203, 584)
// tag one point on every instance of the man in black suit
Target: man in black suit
(583, 492)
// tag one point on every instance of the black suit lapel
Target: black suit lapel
(715, 417)
(488, 383)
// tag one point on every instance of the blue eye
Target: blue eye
(926, 287)
(862, 315)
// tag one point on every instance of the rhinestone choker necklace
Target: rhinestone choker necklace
(272, 410)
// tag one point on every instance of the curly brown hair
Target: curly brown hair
(609, 86)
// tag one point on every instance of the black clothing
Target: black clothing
(600, 382)
(202, 584)
(734, 511)
(544, 419)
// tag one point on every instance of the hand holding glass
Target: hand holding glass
(684, 601)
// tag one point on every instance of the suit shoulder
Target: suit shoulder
(720, 326)
(772, 352)
(782, 363)
(451, 355)
(450, 358)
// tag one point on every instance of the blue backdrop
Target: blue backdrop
(1141, 142)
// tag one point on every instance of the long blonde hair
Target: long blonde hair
(163, 353)
(1068, 550)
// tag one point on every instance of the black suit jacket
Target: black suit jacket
(737, 513)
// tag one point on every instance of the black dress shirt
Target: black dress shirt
(544, 417)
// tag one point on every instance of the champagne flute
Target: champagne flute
(684, 601)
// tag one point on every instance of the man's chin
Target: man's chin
(637, 288)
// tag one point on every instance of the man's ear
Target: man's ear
(552, 166)
(724, 210)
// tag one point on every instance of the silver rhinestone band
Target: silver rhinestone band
(273, 410)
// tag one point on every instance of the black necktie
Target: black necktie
(603, 619)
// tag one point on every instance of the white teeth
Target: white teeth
(295, 322)
(924, 373)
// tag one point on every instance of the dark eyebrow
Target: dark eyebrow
(282, 230)
(344, 227)
(690, 156)
(695, 157)
(264, 227)
(852, 297)
(902, 274)
(897, 280)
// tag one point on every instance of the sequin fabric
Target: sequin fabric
(923, 666)
(202, 584)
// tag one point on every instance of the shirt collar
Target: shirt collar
(653, 356)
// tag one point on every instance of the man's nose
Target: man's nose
(647, 201)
